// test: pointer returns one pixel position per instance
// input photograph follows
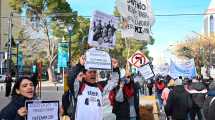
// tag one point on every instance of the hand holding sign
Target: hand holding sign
(22, 111)
(42, 110)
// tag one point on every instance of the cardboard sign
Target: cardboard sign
(102, 30)
(42, 110)
(137, 18)
(96, 59)
(146, 71)
(138, 59)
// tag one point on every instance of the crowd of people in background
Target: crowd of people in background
(117, 97)
(185, 98)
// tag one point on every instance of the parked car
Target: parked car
(2, 78)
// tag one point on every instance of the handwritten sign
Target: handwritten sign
(97, 59)
(42, 110)
(146, 71)
(137, 18)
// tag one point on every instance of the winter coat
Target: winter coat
(10, 111)
(198, 91)
(179, 103)
(159, 86)
(209, 106)
(73, 74)
(122, 109)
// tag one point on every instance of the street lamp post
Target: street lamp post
(69, 29)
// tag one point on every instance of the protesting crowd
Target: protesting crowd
(120, 94)
(118, 97)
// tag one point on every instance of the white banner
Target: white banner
(137, 18)
(185, 68)
(42, 110)
(146, 71)
(102, 30)
(96, 59)
(163, 69)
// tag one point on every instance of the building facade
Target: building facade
(4, 24)
(209, 19)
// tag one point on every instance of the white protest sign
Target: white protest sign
(137, 18)
(102, 30)
(146, 71)
(138, 59)
(42, 110)
(96, 59)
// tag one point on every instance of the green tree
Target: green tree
(44, 14)
(200, 47)
(126, 47)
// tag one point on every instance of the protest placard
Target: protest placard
(146, 71)
(137, 18)
(42, 110)
(97, 59)
(102, 30)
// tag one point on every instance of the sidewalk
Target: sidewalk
(48, 84)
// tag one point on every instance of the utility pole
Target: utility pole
(9, 44)
(69, 29)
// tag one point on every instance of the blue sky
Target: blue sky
(166, 30)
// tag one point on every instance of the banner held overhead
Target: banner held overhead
(137, 18)
(102, 30)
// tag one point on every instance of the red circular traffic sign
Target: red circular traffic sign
(138, 59)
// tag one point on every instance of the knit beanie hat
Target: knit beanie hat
(178, 82)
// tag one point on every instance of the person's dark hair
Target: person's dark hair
(17, 85)
(180, 77)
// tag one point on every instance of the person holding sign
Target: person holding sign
(124, 99)
(86, 93)
(23, 90)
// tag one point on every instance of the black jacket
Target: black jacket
(198, 97)
(10, 111)
(73, 74)
(179, 103)
(209, 109)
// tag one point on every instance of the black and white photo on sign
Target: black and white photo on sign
(42, 110)
(102, 30)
